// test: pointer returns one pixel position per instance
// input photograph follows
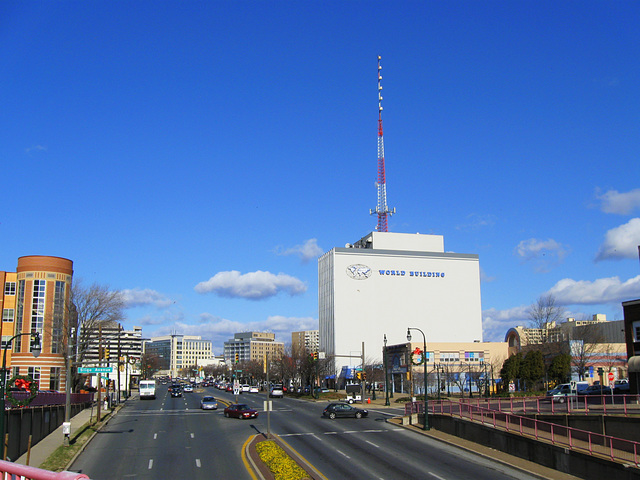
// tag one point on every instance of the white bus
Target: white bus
(147, 389)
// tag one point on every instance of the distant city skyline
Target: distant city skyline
(200, 157)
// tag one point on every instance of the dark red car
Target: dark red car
(240, 410)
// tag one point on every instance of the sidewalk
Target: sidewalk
(45, 447)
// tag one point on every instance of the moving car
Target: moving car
(188, 389)
(240, 410)
(176, 391)
(208, 403)
(335, 410)
(276, 391)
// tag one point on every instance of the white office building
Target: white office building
(387, 282)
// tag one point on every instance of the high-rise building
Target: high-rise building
(176, 352)
(252, 346)
(386, 282)
(307, 341)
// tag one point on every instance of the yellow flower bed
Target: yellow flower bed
(281, 465)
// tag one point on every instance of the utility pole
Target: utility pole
(99, 374)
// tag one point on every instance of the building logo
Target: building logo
(359, 272)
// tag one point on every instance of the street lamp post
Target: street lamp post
(424, 358)
(36, 349)
(386, 374)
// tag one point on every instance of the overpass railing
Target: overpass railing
(10, 470)
(616, 449)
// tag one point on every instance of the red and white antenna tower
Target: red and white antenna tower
(382, 210)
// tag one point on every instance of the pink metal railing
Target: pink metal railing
(9, 469)
(572, 438)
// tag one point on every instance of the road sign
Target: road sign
(95, 369)
(611, 376)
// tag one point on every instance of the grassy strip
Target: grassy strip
(281, 465)
(60, 458)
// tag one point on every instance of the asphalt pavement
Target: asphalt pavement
(43, 449)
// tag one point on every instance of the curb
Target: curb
(103, 424)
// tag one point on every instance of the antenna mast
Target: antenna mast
(382, 210)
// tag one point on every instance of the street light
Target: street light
(386, 374)
(36, 349)
(424, 358)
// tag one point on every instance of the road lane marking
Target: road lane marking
(198, 462)
(371, 443)
(434, 475)
(155, 436)
(150, 463)
(193, 436)
(342, 453)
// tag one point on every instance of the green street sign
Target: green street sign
(95, 369)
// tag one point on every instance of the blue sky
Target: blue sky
(200, 156)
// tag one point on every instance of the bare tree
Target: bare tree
(544, 312)
(87, 309)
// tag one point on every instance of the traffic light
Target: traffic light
(106, 354)
(237, 358)
(315, 355)
(364, 375)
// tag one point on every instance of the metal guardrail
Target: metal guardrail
(613, 448)
(12, 471)
(574, 404)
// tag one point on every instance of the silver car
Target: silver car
(208, 403)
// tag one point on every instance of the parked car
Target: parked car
(240, 410)
(245, 388)
(254, 389)
(621, 388)
(276, 391)
(208, 403)
(596, 390)
(334, 410)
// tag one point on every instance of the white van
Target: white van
(561, 392)
(147, 389)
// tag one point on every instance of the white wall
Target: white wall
(447, 308)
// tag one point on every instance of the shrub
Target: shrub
(281, 465)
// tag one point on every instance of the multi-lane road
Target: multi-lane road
(172, 438)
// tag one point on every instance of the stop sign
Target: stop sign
(611, 376)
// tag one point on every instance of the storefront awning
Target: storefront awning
(634, 364)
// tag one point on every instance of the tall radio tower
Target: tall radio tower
(382, 210)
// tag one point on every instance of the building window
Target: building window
(37, 306)
(474, 356)
(34, 372)
(17, 347)
(54, 378)
(9, 288)
(58, 318)
(449, 357)
(5, 341)
(8, 315)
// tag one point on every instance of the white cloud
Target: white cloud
(475, 222)
(138, 298)
(253, 285)
(600, 291)
(496, 323)
(543, 254)
(35, 148)
(306, 252)
(621, 242)
(620, 203)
